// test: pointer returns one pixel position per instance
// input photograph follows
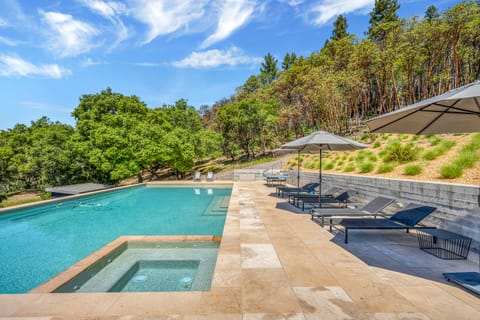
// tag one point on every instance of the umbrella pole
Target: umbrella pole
(298, 172)
(320, 181)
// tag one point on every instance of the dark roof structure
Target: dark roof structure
(77, 188)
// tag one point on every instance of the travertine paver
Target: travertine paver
(276, 263)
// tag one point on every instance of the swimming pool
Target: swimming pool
(38, 243)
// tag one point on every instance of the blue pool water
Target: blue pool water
(38, 243)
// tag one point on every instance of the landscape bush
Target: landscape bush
(395, 151)
(451, 171)
(412, 170)
(440, 149)
(366, 167)
(386, 167)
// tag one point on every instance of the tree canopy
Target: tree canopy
(400, 62)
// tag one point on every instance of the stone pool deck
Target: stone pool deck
(276, 263)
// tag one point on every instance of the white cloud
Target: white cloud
(166, 16)
(68, 36)
(3, 22)
(8, 42)
(328, 9)
(233, 15)
(108, 9)
(111, 10)
(16, 66)
(214, 58)
(89, 62)
(292, 3)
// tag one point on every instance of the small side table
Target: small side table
(444, 244)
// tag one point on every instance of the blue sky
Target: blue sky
(52, 52)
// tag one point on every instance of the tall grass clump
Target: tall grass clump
(412, 170)
(376, 144)
(451, 171)
(386, 167)
(434, 140)
(349, 168)
(329, 166)
(439, 150)
(467, 158)
(396, 151)
(365, 167)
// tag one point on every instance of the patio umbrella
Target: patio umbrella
(458, 110)
(320, 141)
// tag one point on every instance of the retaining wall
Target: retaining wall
(458, 206)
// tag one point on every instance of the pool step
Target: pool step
(218, 205)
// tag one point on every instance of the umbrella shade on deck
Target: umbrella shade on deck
(457, 110)
(320, 141)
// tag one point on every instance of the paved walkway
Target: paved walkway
(275, 263)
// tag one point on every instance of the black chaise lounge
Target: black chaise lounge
(293, 197)
(406, 218)
(340, 200)
(467, 280)
(308, 188)
(372, 208)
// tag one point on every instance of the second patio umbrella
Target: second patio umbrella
(320, 141)
(457, 110)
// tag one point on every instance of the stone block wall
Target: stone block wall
(458, 206)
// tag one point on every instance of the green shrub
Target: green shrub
(340, 163)
(451, 171)
(309, 165)
(376, 144)
(466, 159)
(345, 156)
(439, 150)
(45, 195)
(395, 151)
(363, 155)
(412, 170)
(351, 158)
(365, 136)
(386, 167)
(214, 168)
(3, 197)
(403, 136)
(434, 140)
(365, 167)
(349, 168)
(292, 163)
(415, 137)
(329, 166)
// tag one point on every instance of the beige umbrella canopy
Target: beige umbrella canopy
(320, 141)
(455, 111)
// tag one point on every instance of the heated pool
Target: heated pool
(150, 266)
(40, 242)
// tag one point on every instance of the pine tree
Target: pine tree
(288, 60)
(382, 17)
(339, 28)
(431, 13)
(268, 70)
